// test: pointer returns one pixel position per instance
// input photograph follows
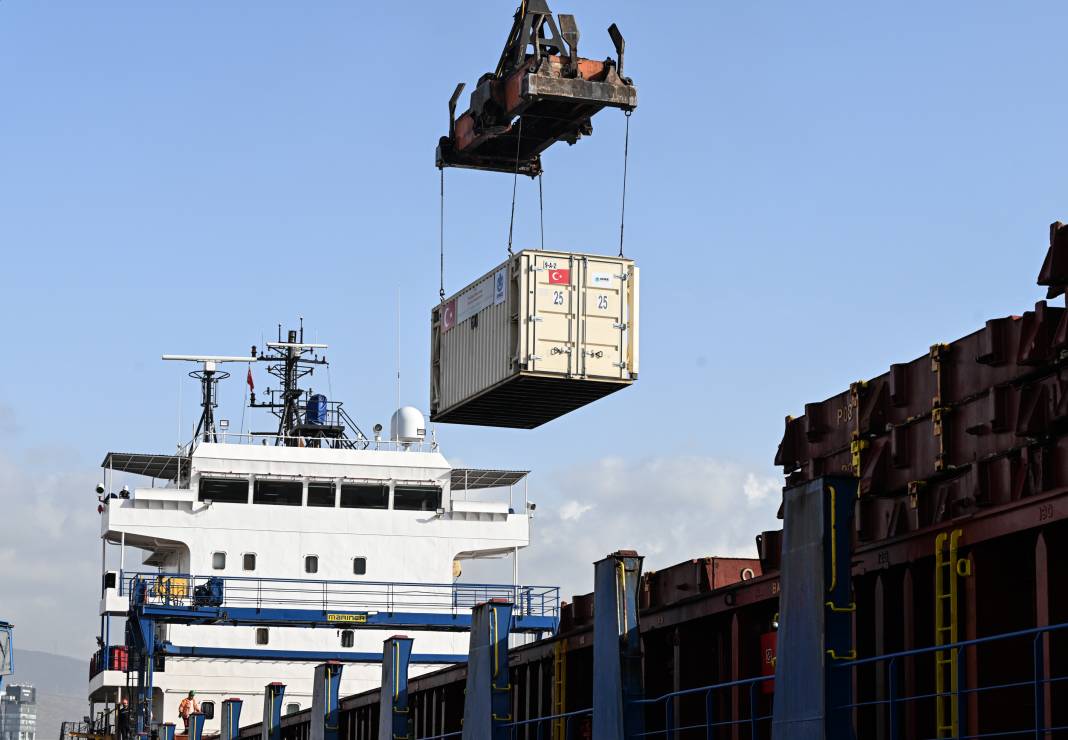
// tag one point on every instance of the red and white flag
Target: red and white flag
(251, 385)
(448, 316)
(559, 277)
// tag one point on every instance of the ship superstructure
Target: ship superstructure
(314, 515)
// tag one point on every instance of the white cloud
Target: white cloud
(759, 489)
(573, 510)
(49, 553)
(669, 509)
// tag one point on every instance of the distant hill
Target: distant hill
(61, 684)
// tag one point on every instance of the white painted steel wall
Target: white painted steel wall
(182, 533)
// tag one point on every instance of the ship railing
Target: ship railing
(1027, 700)
(565, 726)
(271, 439)
(675, 713)
(183, 589)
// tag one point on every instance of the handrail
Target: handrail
(671, 728)
(711, 687)
(1037, 682)
(179, 589)
(951, 645)
(301, 440)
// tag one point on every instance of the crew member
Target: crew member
(187, 707)
(122, 719)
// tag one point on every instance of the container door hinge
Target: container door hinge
(619, 326)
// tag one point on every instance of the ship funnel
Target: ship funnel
(407, 425)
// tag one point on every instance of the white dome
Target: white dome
(407, 425)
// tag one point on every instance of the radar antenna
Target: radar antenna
(209, 376)
(289, 361)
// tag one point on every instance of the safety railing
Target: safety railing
(541, 728)
(1014, 706)
(181, 589)
(535, 728)
(696, 709)
(296, 440)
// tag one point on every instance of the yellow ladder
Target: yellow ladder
(559, 688)
(948, 571)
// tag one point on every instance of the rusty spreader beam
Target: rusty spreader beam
(541, 92)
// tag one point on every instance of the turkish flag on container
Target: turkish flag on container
(448, 316)
(559, 277)
(768, 643)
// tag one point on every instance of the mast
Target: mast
(304, 418)
(209, 376)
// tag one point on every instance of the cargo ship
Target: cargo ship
(313, 515)
(943, 615)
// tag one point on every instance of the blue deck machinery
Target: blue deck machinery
(156, 598)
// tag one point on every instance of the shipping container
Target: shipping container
(538, 336)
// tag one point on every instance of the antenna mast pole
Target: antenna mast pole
(209, 376)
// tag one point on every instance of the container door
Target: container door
(604, 319)
(551, 295)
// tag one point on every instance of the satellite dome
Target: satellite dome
(407, 425)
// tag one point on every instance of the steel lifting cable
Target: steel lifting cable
(541, 213)
(441, 240)
(515, 182)
(623, 205)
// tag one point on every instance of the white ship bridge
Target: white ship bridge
(266, 553)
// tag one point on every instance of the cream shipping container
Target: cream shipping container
(534, 338)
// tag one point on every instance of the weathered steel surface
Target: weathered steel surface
(973, 423)
(542, 92)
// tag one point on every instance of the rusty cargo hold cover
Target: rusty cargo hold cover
(977, 422)
(541, 92)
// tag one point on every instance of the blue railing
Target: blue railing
(1035, 684)
(569, 720)
(180, 589)
(709, 722)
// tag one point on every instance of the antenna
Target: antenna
(209, 376)
(398, 350)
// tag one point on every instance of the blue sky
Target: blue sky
(814, 193)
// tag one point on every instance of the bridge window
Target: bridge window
(359, 566)
(348, 638)
(277, 492)
(207, 708)
(311, 563)
(417, 498)
(218, 561)
(262, 636)
(248, 561)
(364, 496)
(321, 494)
(223, 490)
(292, 708)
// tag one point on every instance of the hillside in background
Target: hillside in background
(61, 687)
